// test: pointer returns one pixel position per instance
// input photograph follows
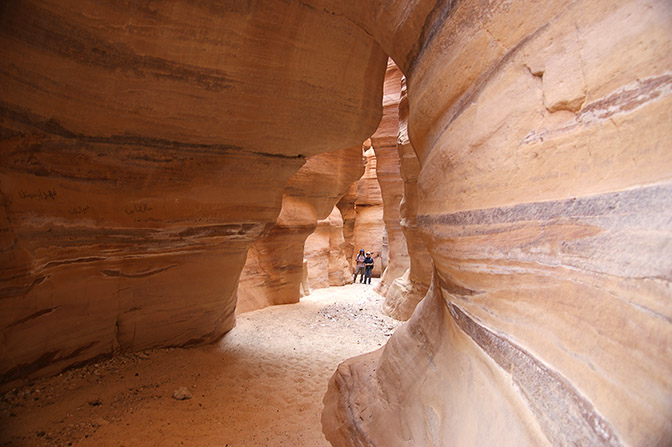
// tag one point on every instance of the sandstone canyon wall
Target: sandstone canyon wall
(384, 144)
(369, 225)
(143, 149)
(543, 131)
(348, 213)
(274, 265)
(408, 290)
(325, 253)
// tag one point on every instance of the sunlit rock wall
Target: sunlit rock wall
(384, 144)
(543, 132)
(143, 148)
(406, 291)
(273, 270)
(369, 225)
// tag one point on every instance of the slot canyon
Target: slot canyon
(186, 184)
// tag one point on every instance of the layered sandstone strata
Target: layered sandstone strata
(384, 144)
(369, 230)
(544, 200)
(144, 149)
(274, 267)
(405, 292)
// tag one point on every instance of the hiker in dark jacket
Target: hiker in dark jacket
(368, 265)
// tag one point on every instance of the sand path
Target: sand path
(262, 385)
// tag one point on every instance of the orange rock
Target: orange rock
(143, 150)
(369, 225)
(274, 266)
(384, 144)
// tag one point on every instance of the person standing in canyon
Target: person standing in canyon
(360, 266)
(368, 264)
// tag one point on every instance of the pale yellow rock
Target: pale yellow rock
(543, 134)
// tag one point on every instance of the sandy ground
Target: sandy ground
(262, 385)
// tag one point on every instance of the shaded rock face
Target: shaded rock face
(144, 149)
(407, 291)
(348, 213)
(316, 252)
(274, 265)
(544, 202)
(325, 254)
(369, 228)
(384, 144)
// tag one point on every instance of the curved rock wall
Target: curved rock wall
(274, 265)
(143, 149)
(347, 208)
(369, 225)
(339, 267)
(384, 144)
(325, 254)
(405, 292)
(543, 133)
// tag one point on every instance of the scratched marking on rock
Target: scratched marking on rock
(38, 194)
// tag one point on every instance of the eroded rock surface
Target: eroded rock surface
(325, 253)
(384, 144)
(405, 292)
(348, 213)
(544, 203)
(274, 266)
(369, 229)
(144, 149)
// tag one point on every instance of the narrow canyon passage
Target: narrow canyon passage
(170, 167)
(261, 385)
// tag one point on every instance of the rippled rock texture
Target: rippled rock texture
(542, 129)
(325, 253)
(406, 291)
(143, 149)
(274, 266)
(369, 230)
(384, 144)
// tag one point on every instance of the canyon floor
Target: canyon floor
(261, 385)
